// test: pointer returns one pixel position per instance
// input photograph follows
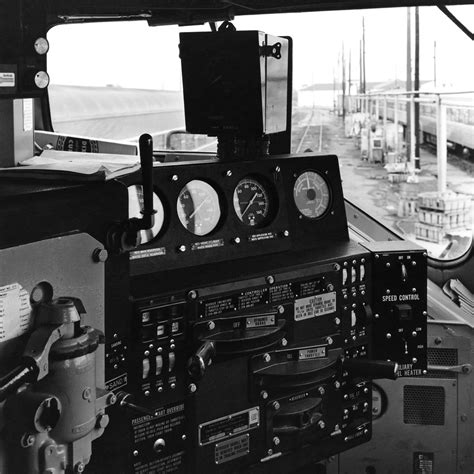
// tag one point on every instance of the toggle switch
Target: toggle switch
(353, 275)
(404, 272)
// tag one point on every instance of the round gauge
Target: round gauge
(311, 194)
(251, 202)
(198, 207)
(135, 206)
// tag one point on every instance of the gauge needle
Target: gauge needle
(250, 203)
(197, 209)
(307, 180)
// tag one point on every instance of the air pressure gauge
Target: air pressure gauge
(311, 194)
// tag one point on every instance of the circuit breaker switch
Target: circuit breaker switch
(146, 368)
(171, 361)
(361, 272)
(159, 364)
(344, 276)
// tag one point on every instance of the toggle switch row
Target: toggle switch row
(350, 275)
(158, 365)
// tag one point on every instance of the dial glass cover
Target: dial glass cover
(135, 206)
(311, 194)
(198, 207)
(251, 202)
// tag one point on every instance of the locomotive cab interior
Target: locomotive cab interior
(189, 283)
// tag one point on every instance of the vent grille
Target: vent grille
(423, 405)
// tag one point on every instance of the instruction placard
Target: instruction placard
(15, 311)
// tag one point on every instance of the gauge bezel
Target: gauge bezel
(272, 198)
(220, 202)
(330, 201)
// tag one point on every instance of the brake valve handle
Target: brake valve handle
(123, 237)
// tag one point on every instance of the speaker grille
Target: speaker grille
(423, 405)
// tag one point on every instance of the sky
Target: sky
(134, 55)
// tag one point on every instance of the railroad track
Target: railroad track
(311, 133)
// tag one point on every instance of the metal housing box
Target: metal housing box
(234, 82)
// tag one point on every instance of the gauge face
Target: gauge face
(251, 202)
(311, 194)
(135, 206)
(198, 207)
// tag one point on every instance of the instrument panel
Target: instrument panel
(212, 211)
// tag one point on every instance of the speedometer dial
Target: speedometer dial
(311, 194)
(251, 202)
(198, 207)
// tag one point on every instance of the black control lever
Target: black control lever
(198, 362)
(375, 369)
(124, 237)
(125, 400)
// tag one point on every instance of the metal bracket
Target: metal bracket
(271, 50)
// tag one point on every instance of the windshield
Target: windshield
(116, 81)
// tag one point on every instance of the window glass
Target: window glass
(117, 80)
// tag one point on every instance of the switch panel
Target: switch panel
(399, 302)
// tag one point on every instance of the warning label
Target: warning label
(15, 311)
(232, 449)
(7, 79)
(423, 463)
(157, 252)
(318, 305)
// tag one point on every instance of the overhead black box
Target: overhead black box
(235, 82)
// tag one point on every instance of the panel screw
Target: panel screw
(277, 169)
(388, 336)
(387, 264)
(276, 405)
(192, 294)
(263, 394)
(135, 453)
(330, 287)
(413, 263)
(211, 325)
(329, 340)
(281, 309)
(267, 357)
(284, 342)
(183, 437)
(425, 313)
(236, 240)
(270, 452)
(182, 248)
(321, 424)
(438, 341)
(414, 360)
(192, 387)
(100, 255)
(337, 321)
(276, 440)
(336, 267)
(270, 279)
(79, 467)
(228, 173)
(286, 233)
(174, 178)
(387, 291)
(376, 315)
(321, 390)
(413, 290)
(337, 385)
(377, 255)
(147, 393)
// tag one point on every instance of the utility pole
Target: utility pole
(408, 87)
(364, 90)
(350, 83)
(343, 86)
(434, 63)
(417, 87)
